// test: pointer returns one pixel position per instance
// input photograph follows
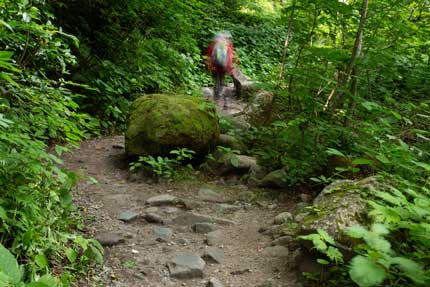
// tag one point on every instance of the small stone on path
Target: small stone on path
(214, 238)
(185, 266)
(214, 282)
(190, 218)
(207, 194)
(204, 227)
(282, 218)
(282, 241)
(109, 239)
(152, 209)
(163, 199)
(128, 215)
(226, 208)
(154, 218)
(213, 255)
(162, 234)
(277, 251)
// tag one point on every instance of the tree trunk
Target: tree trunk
(287, 41)
(356, 51)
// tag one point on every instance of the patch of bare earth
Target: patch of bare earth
(140, 257)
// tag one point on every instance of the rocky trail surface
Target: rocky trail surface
(201, 232)
(189, 233)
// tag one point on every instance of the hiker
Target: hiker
(220, 62)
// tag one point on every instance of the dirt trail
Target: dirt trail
(140, 250)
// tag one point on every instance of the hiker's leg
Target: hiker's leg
(237, 87)
(218, 77)
(222, 76)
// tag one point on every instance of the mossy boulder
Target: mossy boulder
(338, 207)
(158, 123)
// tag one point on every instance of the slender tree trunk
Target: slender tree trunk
(287, 41)
(356, 51)
(352, 71)
(299, 55)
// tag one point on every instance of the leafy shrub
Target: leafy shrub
(164, 167)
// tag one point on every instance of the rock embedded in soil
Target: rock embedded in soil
(128, 215)
(154, 218)
(214, 255)
(109, 239)
(186, 266)
(277, 251)
(214, 282)
(214, 238)
(226, 208)
(274, 179)
(282, 218)
(163, 199)
(190, 204)
(190, 218)
(204, 227)
(163, 234)
(209, 195)
(282, 241)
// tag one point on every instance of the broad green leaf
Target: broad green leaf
(365, 272)
(378, 243)
(357, 231)
(9, 265)
(6, 25)
(333, 151)
(41, 261)
(322, 261)
(71, 254)
(234, 160)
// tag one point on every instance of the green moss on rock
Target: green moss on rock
(158, 123)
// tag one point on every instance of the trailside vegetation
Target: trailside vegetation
(350, 85)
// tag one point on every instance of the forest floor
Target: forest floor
(142, 237)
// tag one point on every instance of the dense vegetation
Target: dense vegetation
(351, 89)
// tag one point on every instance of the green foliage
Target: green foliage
(164, 167)
(381, 261)
(38, 219)
(325, 244)
(229, 154)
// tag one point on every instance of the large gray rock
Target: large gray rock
(185, 266)
(234, 164)
(159, 123)
(338, 207)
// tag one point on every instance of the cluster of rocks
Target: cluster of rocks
(168, 214)
(339, 206)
